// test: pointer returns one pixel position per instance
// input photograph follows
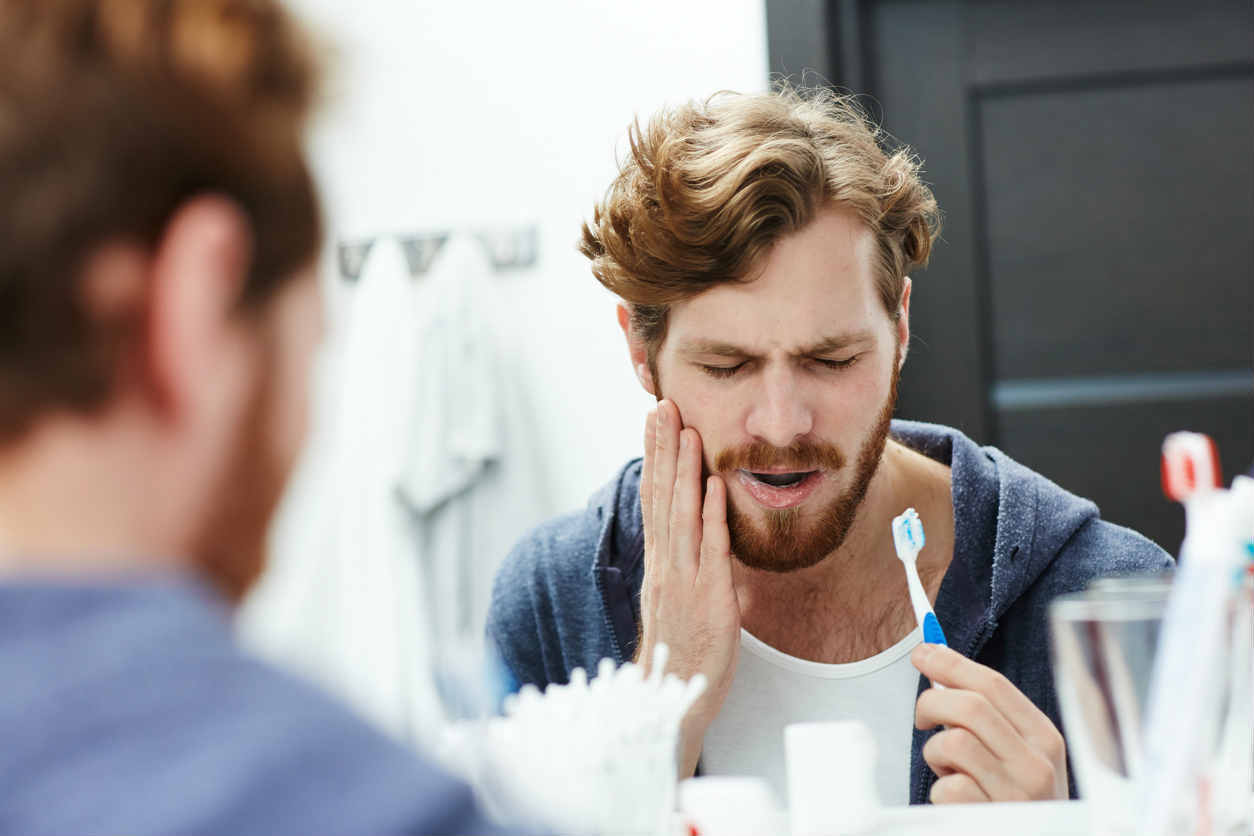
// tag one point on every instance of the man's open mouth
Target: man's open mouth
(782, 480)
(780, 489)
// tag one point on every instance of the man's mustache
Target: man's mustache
(799, 456)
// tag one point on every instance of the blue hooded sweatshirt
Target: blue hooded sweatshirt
(569, 593)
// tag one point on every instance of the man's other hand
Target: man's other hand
(996, 744)
(687, 600)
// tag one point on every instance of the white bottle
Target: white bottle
(831, 778)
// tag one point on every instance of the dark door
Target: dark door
(1094, 288)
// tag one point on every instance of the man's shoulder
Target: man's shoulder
(1102, 549)
(1020, 529)
(1068, 531)
(562, 545)
(569, 544)
(334, 772)
(548, 612)
(313, 742)
(1067, 543)
(204, 722)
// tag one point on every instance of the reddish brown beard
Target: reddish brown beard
(789, 542)
(231, 550)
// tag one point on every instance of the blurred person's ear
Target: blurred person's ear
(191, 342)
(638, 351)
(903, 323)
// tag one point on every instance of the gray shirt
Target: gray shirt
(126, 707)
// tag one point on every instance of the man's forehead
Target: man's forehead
(814, 290)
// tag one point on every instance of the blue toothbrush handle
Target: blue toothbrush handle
(932, 632)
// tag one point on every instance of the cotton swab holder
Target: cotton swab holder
(596, 757)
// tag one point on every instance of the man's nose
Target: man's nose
(780, 413)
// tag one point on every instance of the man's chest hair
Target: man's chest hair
(819, 629)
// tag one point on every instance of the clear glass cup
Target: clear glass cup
(1104, 645)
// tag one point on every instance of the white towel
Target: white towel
(423, 473)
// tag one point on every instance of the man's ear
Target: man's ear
(198, 271)
(903, 323)
(636, 349)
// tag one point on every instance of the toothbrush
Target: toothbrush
(1182, 701)
(908, 540)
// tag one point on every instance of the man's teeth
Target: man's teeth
(781, 480)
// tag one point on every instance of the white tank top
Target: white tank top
(772, 689)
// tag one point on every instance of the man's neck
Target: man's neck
(75, 500)
(854, 603)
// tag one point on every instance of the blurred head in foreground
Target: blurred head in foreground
(158, 311)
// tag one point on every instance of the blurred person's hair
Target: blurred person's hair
(709, 186)
(113, 113)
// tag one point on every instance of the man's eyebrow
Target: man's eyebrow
(837, 343)
(718, 348)
(715, 348)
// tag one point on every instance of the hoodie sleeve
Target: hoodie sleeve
(547, 615)
(521, 627)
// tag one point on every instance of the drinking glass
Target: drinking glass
(1104, 644)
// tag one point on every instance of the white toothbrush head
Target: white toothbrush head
(908, 535)
(908, 540)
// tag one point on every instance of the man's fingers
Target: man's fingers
(646, 477)
(685, 521)
(957, 788)
(954, 707)
(715, 540)
(952, 669)
(956, 750)
(665, 453)
(987, 708)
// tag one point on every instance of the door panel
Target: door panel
(1093, 289)
(1028, 42)
(1145, 264)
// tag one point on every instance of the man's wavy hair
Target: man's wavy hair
(709, 186)
(112, 114)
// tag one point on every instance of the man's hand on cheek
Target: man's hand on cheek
(996, 745)
(688, 600)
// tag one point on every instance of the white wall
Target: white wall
(449, 114)
(453, 115)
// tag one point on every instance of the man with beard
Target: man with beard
(158, 317)
(760, 245)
